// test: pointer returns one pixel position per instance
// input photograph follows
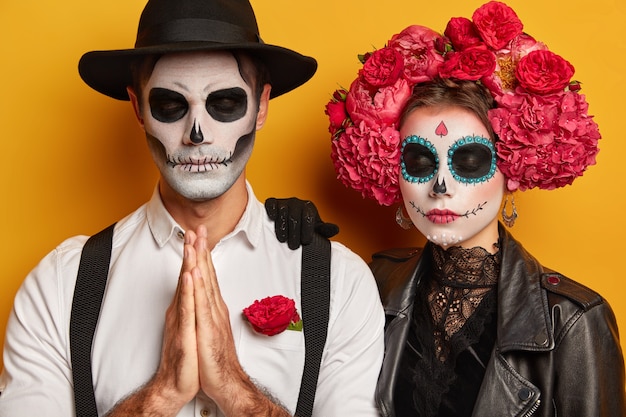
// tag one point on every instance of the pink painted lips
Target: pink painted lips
(441, 216)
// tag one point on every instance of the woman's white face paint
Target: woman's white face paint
(450, 185)
(200, 120)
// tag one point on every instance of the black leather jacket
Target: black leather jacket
(557, 351)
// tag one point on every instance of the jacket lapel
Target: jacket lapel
(523, 311)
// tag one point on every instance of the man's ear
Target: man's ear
(264, 102)
(135, 102)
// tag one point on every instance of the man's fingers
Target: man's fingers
(202, 251)
(204, 263)
(186, 304)
(212, 276)
(190, 237)
(179, 359)
(189, 252)
(201, 303)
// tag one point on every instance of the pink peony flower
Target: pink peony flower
(497, 24)
(462, 33)
(469, 64)
(336, 111)
(382, 67)
(367, 159)
(503, 79)
(381, 107)
(544, 141)
(543, 72)
(522, 45)
(417, 44)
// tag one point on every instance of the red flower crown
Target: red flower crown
(545, 138)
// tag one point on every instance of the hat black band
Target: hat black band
(198, 30)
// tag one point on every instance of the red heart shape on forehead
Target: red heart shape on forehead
(441, 130)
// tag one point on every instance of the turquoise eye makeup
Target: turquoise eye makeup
(472, 160)
(419, 161)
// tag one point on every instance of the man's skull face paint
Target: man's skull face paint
(449, 181)
(200, 121)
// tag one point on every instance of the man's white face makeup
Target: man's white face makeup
(451, 187)
(200, 120)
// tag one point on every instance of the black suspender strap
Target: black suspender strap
(315, 300)
(93, 272)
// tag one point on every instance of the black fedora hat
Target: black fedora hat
(168, 26)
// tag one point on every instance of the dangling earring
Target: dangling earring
(509, 220)
(403, 221)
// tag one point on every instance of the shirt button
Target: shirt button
(180, 234)
(204, 412)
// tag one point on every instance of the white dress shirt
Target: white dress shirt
(251, 264)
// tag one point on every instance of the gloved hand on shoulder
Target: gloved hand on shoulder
(297, 220)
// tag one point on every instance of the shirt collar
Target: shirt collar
(164, 227)
(251, 223)
(161, 223)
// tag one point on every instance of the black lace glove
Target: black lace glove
(296, 220)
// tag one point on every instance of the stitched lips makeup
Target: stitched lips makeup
(199, 165)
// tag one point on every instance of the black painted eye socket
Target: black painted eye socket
(167, 106)
(472, 161)
(227, 105)
(419, 161)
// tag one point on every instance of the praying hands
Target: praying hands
(198, 349)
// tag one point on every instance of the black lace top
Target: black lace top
(452, 334)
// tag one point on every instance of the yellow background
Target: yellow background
(74, 161)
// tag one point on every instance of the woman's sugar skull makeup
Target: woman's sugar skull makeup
(200, 120)
(450, 184)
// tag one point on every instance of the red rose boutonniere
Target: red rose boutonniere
(273, 315)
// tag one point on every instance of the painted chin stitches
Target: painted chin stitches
(205, 164)
(444, 240)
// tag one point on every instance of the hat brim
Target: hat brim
(109, 73)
